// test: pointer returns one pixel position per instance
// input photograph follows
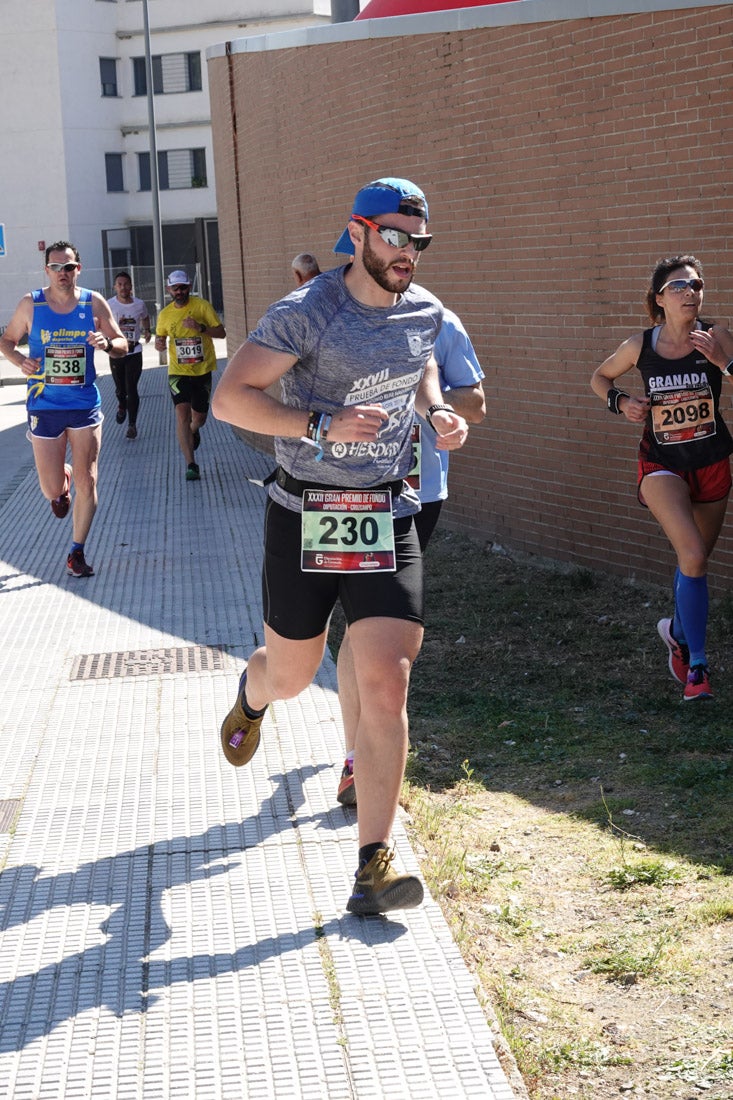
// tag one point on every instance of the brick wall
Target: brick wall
(560, 161)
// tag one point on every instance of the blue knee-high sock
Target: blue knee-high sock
(691, 599)
(678, 631)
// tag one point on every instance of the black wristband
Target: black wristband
(612, 399)
(437, 408)
(202, 329)
(108, 345)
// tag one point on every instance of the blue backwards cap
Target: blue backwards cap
(384, 196)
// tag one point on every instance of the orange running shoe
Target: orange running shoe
(679, 654)
(698, 684)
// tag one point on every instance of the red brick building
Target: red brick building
(562, 154)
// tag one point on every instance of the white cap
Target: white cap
(178, 278)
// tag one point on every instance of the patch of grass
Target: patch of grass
(507, 1005)
(329, 970)
(514, 918)
(703, 1072)
(643, 872)
(448, 868)
(584, 1054)
(626, 962)
(715, 911)
(538, 1057)
(707, 772)
(597, 812)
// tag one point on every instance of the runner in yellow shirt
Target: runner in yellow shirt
(190, 325)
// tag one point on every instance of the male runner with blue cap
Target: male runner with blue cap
(352, 351)
(385, 196)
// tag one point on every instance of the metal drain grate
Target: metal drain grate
(148, 662)
(9, 808)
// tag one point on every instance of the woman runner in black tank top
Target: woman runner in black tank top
(683, 467)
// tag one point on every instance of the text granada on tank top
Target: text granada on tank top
(684, 428)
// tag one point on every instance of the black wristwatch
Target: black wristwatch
(728, 368)
(109, 345)
(202, 329)
(437, 408)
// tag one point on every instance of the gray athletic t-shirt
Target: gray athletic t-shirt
(351, 354)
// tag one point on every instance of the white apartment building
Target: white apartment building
(75, 135)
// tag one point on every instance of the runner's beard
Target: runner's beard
(381, 272)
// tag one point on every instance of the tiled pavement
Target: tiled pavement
(171, 927)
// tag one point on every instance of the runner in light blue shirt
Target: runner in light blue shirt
(460, 380)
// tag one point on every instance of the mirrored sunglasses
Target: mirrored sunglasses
(62, 267)
(397, 238)
(678, 285)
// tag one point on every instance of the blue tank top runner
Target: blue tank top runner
(66, 376)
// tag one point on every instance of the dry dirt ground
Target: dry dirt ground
(576, 823)
(601, 993)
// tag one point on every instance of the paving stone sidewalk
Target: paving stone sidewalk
(171, 927)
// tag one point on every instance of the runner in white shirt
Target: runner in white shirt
(131, 315)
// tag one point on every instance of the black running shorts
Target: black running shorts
(298, 605)
(191, 389)
(426, 520)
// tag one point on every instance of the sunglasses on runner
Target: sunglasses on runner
(62, 267)
(678, 285)
(397, 238)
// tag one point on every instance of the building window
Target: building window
(143, 170)
(139, 79)
(177, 169)
(108, 75)
(113, 168)
(172, 72)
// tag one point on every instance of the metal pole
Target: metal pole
(343, 11)
(157, 231)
